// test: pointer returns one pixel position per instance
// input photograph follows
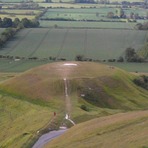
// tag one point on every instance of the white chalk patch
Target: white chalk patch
(70, 64)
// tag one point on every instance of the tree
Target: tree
(110, 15)
(129, 53)
(16, 22)
(79, 58)
(25, 22)
(120, 59)
(1, 22)
(132, 56)
(7, 22)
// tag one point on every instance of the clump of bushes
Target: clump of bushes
(142, 81)
(84, 107)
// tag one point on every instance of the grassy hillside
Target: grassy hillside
(28, 100)
(120, 130)
(20, 121)
(94, 85)
(144, 51)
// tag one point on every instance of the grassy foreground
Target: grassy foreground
(120, 130)
(20, 121)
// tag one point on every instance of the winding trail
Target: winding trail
(68, 103)
(53, 134)
(48, 137)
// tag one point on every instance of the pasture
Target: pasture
(19, 11)
(1, 30)
(94, 14)
(85, 24)
(43, 43)
(56, 1)
(13, 16)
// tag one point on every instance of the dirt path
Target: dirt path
(67, 98)
(53, 134)
(48, 137)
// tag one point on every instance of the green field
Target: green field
(17, 16)
(19, 11)
(78, 14)
(1, 30)
(94, 14)
(14, 1)
(84, 24)
(98, 44)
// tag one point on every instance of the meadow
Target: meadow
(1, 30)
(85, 24)
(56, 1)
(19, 11)
(94, 14)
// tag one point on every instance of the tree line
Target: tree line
(143, 26)
(17, 23)
(12, 27)
(7, 34)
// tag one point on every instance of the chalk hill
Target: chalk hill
(97, 84)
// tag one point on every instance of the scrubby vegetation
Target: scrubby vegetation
(142, 81)
(143, 26)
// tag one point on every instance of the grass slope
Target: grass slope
(28, 100)
(144, 51)
(20, 121)
(94, 85)
(120, 130)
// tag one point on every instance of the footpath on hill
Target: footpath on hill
(53, 134)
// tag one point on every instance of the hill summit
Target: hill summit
(97, 84)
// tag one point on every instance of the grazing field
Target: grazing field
(19, 11)
(84, 24)
(1, 30)
(78, 14)
(93, 14)
(63, 1)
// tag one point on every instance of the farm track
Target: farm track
(39, 44)
(62, 44)
(85, 43)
